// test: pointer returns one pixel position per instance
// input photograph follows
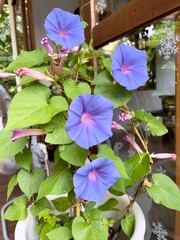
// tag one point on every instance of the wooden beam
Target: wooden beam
(132, 15)
(177, 134)
(89, 15)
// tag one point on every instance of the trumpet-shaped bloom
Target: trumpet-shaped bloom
(89, 121)
(132, 142)
(94, 179)
(64, 28)
(19, 133)
(165, 155)
(6, 75)
(32, 73)
(46, 44)
(129, 66)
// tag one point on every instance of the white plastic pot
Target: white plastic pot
(140, 222)
(25, 229)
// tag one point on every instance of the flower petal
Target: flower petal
(64, 28)
(129, 66)
(89, 121)
(94, 179)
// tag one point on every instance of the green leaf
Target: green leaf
(28, 59)
(72, 90)
(59, 182)
(61, 204)
(73, 154)
(89, 205)
(106, 87)
(164, 191)
(106, 152)
(128, 224)
(93, 226)
(29, 182)
(137, 167)
(153, 124)
(63, 231)
(9, 148)
(32, 106)
(12, 183)
(109, 205)
(106, 62)
(24, 159)
(56, 131)
(39, 206)
(118, 188)
(45, 229)
(17, 211)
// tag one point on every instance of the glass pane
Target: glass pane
(106, 7)
(159, 39)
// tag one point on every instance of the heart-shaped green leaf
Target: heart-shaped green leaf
(128, 224)
(137, 166)
(72, 90)
(56, 132)
(73, 154)
(63, 231)
(24, 159)
(29, 182)
(12, 183)
(93, 226)
(28, 59)
(40, 205)
(164, 191)
(153, 124)
(59, 182)
(17, 211)
(109, 205)
(9, 148)
(32, 106)
(106, 87)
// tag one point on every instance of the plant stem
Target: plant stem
(77, 208)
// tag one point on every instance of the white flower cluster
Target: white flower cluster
(101, 6)
(168, 45)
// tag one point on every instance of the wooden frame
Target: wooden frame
(177, 133)
(28, 25)
(132, 15)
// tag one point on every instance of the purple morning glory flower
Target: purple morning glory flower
(89, 121)
(129, 66)
(94, 179)
(64, 28)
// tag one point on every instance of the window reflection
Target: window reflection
(159, 39)
(106, 7)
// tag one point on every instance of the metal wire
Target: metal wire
(3, 221)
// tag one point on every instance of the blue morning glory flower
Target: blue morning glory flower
(93, 179)
(129, 66)
(89, 121)
(64, 28)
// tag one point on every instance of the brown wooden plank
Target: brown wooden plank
(89, 15)
(177, 217)
(31, 25)
(24, 25)
(132, 15)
